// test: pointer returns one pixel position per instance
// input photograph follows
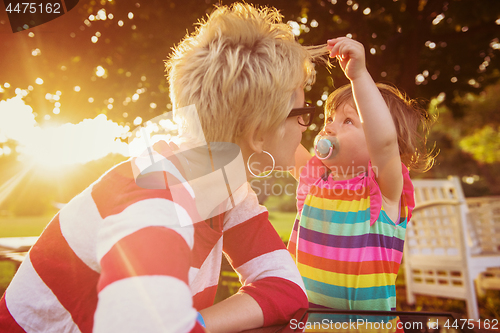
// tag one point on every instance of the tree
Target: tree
(446, 51)
(113, 50)
(425, 47)
(469, 145)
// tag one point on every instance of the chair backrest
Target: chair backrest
(438, 222)
(427, 190)
(439, 245)
(484, 223)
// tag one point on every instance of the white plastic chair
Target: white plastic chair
(484, 223)
(443, 254)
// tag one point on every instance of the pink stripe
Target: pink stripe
(353, 255)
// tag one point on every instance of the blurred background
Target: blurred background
(72, 90)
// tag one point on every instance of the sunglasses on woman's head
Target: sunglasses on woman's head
(306, 114)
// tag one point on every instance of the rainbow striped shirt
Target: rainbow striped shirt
(347, 249)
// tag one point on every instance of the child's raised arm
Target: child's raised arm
(378, 126)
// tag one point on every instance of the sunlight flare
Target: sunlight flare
(65, 144)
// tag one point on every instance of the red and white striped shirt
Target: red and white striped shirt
(116, 259)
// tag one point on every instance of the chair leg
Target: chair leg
(410, 297)
(472, 308)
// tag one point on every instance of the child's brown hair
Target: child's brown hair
(411, 119)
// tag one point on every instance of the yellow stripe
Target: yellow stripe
(347, 280)
(338, 205)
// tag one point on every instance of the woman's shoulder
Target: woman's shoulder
(243, 207)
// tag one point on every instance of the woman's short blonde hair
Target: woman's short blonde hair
(240, 69)
(412, 122)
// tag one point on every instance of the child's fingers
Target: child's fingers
(338, 48)
(350, 51)
(334, 51)
(350, 55)
(334, 41)
(342, 50)
(331, 43)
(334, 45)
(343, 40)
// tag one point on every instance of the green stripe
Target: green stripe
(353, 229)
(381, 304)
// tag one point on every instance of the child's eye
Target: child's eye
(348, 121)
(328, 120)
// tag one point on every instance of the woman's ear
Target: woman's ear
(255, 141)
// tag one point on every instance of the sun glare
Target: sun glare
(57, 146)
(61, 145)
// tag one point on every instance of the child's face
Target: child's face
(352, 156)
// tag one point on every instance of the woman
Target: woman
(124, 256)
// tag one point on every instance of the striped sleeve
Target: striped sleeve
(407, 195)
(266, 269)
(137, 293)
(144, 256)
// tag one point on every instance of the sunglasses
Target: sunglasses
(306, 114)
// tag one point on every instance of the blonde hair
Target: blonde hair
(411, 119)
(240, 68)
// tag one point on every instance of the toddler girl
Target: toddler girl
(355, 196)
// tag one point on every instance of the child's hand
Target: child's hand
(351, 56)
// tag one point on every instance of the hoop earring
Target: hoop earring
(267, 174)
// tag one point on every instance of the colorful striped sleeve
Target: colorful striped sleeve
(407, 195)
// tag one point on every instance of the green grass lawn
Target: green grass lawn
(282, 223)
(34, 225)
(18, 227)
(23, 226)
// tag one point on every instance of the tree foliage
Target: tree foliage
(425, 47)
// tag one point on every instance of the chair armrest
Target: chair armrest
(428, 204)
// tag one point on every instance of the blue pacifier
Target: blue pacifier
(326, 146)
